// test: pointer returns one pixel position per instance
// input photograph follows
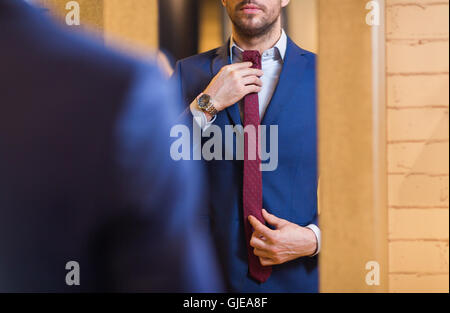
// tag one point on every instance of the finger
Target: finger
(252, 80)
(250, 72)
(240, 65)
(259, 227)
(259, 235)
(257, 242)
(261, 253)
(251, 89)
(266, 261)
(272, 219)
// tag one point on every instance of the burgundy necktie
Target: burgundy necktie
(252, 193)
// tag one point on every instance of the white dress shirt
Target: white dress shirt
(272, 64)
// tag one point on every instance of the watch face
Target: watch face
(203, 101)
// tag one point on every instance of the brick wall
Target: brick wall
(418, 144)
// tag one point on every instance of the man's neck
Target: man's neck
(260, 43)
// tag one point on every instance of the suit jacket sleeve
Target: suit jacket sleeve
(160, 247)
(177, 81)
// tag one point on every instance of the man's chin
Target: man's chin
(252, 31)
(251, 26)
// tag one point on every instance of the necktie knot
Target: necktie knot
(252, 56)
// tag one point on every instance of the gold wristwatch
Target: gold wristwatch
(206, 105)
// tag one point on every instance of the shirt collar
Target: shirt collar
(276, 52)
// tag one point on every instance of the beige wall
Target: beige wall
(418, 144)
(210, 36)
(91, 12)
(303, 23)
(132, 21)
(123, 22)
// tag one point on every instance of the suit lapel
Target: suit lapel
(220, 60)
(291, 74)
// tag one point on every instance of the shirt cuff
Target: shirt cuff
(316, 231)
(200, 117)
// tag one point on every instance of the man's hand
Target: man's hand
(287, 242)
(233, 83)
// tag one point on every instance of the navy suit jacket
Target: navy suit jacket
(86, 173)
(289, 192)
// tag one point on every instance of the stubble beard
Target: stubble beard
(253, 32)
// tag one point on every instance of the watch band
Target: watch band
(211, 109)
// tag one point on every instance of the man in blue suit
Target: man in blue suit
(219, 89)
(90, 198)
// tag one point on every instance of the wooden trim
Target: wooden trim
(352, 141)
